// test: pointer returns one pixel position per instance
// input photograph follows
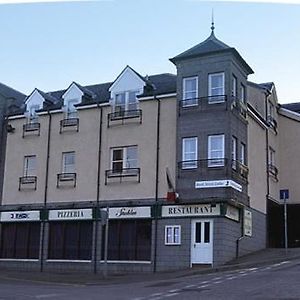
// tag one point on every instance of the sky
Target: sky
(49, 45)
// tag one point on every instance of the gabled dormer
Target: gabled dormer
(123, 93)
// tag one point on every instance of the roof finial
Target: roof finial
(212, 22)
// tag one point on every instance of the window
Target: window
(271, 156)
(234, 151)
(32, 115)
(190, 91)
(173, 235)
(243, 154)
(68, 162)
(124, 158)
(125, 101)
(216, 87)
(20, 240)
(234, 87)
(71, 112)
(243, 94)
(128, 240)
(216, 150)
(189, 153)
(70, 240)
(29, 166)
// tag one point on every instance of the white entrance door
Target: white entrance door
(202, 242)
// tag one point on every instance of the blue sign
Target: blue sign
(284, 194)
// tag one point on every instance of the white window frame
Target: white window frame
(234, 86)
(124, 157)
(243, 154)
(64, 166)
(219, 162)
(170, 239)
(28, 170)
(189, 101)
(71, 113)
(127, 103)
(216, 99)
(234, 152)
(32, 114)
(272, 154)
(193, 162)
(243, 94)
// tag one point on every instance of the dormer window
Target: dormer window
(71, 111)
(125, 103)
(33, 117)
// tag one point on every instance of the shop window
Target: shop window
(20, 240)
(128, 240)
(70, 240)
(172, 235)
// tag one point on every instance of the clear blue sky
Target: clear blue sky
(49, 45)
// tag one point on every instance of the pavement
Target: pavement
(260, 258)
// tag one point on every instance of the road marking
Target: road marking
(217, 278)
(190, 286)
(232, 277)
(203, 286)
(220, 281)
(204, 282)
(47, 296)
(174, 291)
(170, 295)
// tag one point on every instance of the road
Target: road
(276, 281)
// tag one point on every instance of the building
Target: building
(178, 169)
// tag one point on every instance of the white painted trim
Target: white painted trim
(16, 117)
(184, 89)
(211, 164)
(261, 123)
(68, 261)
(184, 140)
(172, 243)
(288, 113)
(19, 259)
(73, 84)
(157, 96)
(127, 261)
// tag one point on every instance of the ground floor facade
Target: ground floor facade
(156, 237)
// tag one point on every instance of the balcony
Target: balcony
(66, 180)
(212, 169)
(203, 104)
(28, 183)
(69, 124)
(122, 116)
(31, 129)
(273, 171)
(123, 175)
(240, 107)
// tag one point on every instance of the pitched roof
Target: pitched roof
(9, 92)
(211, 45)
(292, 106)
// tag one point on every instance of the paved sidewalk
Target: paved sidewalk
(264, 257)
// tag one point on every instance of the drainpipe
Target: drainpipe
(98, 187)
(46, 190)
(267, 166)
(156, 183)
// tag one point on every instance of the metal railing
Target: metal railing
(30, 128)
(69, 122)
(272, 170)
(29, 181)
(215, 166)
(66, 177)
(123, 115)
(123, 173)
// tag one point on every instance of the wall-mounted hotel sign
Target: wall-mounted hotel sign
(71, 214)
(232, 213)
(129, 212)
(190, 210)
(218, 184)
(20, 216)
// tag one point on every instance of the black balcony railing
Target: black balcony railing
(66, 179)
(219, 102)
(28, 182)
(123, 115)
(208, 168)
(31, 129)
(69, 123)
(121, 174)
(273, 171)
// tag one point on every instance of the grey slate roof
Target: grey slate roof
(99, 93)
(211, 45)
(9, 92)
(292, 106)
